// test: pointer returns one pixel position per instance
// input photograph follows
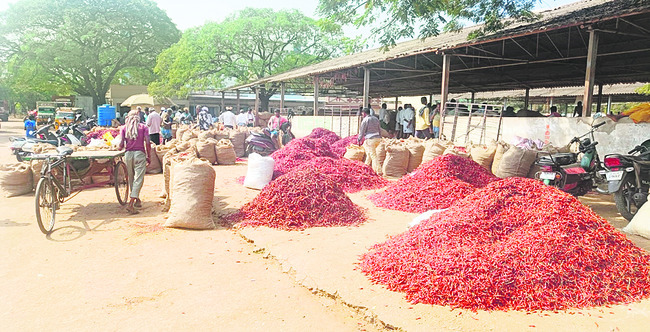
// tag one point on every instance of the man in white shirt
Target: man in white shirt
(153, 122)
(408, 121)
(250, 118)
(242, 118)
(228, 118)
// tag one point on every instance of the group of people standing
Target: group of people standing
(406, 121)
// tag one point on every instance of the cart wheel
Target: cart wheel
(121, 182)
(46, 202)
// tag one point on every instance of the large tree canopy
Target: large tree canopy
(84, 45)
(395, 19)
(246, 46)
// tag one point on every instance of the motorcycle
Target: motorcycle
(628, 179)
(22, 146)
(73, 134)
(563, 171)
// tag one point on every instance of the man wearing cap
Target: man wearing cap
(228, 118)
(153, 123)
(205, 119)
(369, 135)
(242, 119)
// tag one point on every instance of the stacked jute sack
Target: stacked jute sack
(510, 160)
(395, 157)
(189, 192)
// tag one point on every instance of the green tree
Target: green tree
(395, 19)
(246, 46)
(644, 90)
(84, 45)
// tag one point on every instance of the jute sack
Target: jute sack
(183, 146)
(502, 147)
(483, 155)
(188, 135)
(37, 167)
(640, 224)
(192, 187)
(397, 161)
(206, 149)
(354, 152)
(161, 150)
(238, 139)
(381, 157)
(15, 179)
(457, 151)
(225, 152)
(516, 162)
(154, 166)
(219, 134)
(416, 152)
(432, 149)
(180, 132)
(203, 135)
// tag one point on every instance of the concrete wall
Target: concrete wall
(613, 137)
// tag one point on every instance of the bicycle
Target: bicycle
(56, 183)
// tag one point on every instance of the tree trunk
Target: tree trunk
(264, 102)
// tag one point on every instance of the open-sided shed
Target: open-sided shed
(589, 43)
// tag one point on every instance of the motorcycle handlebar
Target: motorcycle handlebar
(636, 148)
(599, 125)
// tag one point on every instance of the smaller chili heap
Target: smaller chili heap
(300, 199)
(351, 175)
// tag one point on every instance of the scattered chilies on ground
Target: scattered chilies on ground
(515, 244)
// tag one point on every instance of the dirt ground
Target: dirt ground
(103, 268)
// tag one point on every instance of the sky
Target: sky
(191, 13)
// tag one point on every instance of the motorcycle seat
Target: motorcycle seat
(557, 158)
(64, 150)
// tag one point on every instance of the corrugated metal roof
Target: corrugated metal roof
(583, 12)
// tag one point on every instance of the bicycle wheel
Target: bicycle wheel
(121, 182)
(46, 202)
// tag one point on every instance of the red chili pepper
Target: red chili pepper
(515, 244)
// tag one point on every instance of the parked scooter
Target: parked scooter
(562, 170)
(628, 179)
(73, 134)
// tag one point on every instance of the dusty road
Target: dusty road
(104, 270)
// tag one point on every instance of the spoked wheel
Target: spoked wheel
(46, 202)
(121, 182)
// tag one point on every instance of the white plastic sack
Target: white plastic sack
(99, 143)
(260, 171)
(640, 224)
(422, 217)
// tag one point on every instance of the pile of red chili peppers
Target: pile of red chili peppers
(338, 148)
(515, 244)
(352, 176)
(434, 185)
(300, 199)
(297, 152)
(324, 134)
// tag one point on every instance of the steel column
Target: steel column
(526, 98)
(444, 88)
(223, 101)
(609, 104)
(257, 105)
(600, 97)
(282, 87)
(238, 101)
(366, 86)
(316, 87)
(590, 73)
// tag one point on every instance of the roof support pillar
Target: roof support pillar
(609, 105)
(590, 73)
(316, 86)
(526, 98)
(600, 98)
(473, 95)
(396, 102)
(366, 86)
(257, 105)
(223, 101)
(444, 86)
(282, 95)
(238, 101)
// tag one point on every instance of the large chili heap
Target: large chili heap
(515, 244)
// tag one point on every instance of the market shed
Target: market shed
(588, 43)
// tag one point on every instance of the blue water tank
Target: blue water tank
(105, 114)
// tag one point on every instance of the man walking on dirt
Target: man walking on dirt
(135, 137)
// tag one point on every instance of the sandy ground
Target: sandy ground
(102, 268)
